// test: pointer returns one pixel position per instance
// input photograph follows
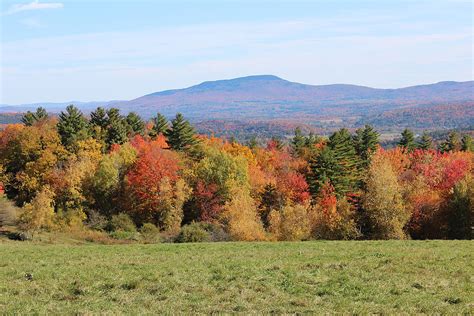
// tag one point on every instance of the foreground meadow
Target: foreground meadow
(315, 277)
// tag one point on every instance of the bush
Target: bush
(8, 212)
(93, 236)
(291, 223)
(125, 235)
(241, 218)
(122, 222)
(96, 221)
(150, 233)
(217, 232)
(338, 224)
(194, 232)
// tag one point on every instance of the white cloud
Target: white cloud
(35, 5)
(125, 65)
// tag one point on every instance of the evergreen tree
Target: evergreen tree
(30, 118)
(451, 143)
(160, 125)
(425, 142)
(181, 134)
(135, 124)
(72, 126)
(347, 178)
(252, 143)
(117, 128)
(99, 118)
(358, 139)
(98, 124)
(298, 142)
(311, 140)
(323, 169)
(365, 141)
(460, 210)
(408, 140)
(467, 144)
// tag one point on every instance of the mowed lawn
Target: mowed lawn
(301, 277)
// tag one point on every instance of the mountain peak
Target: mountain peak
(252, 78)
(259, 77)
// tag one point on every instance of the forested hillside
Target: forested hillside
(266, 99)
(119, 177)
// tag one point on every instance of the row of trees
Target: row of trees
(453, 142)
(92, 173)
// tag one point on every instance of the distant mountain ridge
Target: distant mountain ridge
(267, 97)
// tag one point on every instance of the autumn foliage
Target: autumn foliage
(343, 187)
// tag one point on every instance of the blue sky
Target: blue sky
(56, 51)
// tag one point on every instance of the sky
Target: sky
(84, 50)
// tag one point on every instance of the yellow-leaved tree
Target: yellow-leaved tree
(383, 202)
(291, 223)
(39, 213)
(241, 217)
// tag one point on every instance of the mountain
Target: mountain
(267, 96)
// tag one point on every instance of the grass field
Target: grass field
(307, 277)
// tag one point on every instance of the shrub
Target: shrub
(150, 233)
(217, 231)
(241, 218)
(8, 212)
(194, 232)
(94, 236)
(39, 213)
(125, 235)
(336, 224)
(96, 221)
(291, 223)
(122, 222)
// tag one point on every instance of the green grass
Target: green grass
(302, 277)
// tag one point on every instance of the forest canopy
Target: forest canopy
(126, 177)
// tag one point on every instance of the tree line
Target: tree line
(116, 174)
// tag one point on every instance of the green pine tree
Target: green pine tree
(99, 118)
(408, 140)
(136, 126)
(160, 125)
(425, 142)
(98, 124)
(323, 168)
(366, 140)
(311, 140)
(452, 143)
(181, 135)
(467, 144)
(117, 128)
(298, 143)
(348, 177)
(31, 118)
(252, 143)
(72, 126)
